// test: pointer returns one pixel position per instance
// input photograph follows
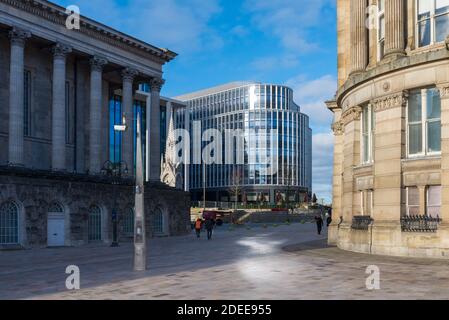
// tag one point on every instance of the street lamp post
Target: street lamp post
(140, 260)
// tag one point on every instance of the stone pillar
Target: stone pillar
(16, 96)
(394, 27)
(389, 150)
(96, 79)
(186, 151)
(444, 93)
(359, 36)
(155, 130)
(58, 151)
(128, 112)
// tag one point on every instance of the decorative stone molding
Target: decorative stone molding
(365, 183)
(156, 84)
(338, 128)
(19, 36)
(444, 91)
(61, 50)
(56, 14)
(129, 74)
(391, 101)
(352, 114)
(97, 63)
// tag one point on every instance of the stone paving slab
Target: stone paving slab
(285, 262)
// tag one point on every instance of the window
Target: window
(68, 124)
(27, 103)
(115, 137)
(94, 224)
(424, 122)
(434, 201)
(158, 224)
(432, 21)
(128, 222)
(367, 202)
(413, 201)
(9, 223)
(381, 30)
(367, 134)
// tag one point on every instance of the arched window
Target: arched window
(94, 224)
(9, 223)
(158, 223)
(128, 222)
(55, 208)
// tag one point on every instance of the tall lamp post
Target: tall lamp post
(140, 254)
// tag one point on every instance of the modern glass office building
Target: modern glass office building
(255, 110)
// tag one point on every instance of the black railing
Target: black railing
(420, 223)
(361, 222)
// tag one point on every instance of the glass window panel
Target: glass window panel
(441, 27)
(434, 196)
(415, 138)
(433, 104)
(442, 6)
(382, 28)
(424, 9)
(424, 33)
(414, 107)
(434, 136)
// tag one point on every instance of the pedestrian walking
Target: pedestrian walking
(198, 226)
(329, 218)
(319, 223)
(210, 224)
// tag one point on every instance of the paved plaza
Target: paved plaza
(278, 262)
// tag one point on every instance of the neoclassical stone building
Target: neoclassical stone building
(391, 165)
(66, 173)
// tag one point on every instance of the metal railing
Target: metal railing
(361, 222)
(420, 223)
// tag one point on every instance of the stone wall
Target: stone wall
(34, 195)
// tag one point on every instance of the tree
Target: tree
(236, 186)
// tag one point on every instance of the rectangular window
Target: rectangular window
(27, 103)
(381, 30)
(68, 124)
(434, 201)
(367, 134)
(432, 21)
(424, 122)
(413, 201)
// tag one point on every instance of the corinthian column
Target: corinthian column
(58, 154)
(128, 112)
(394, 27)
(359, 35)
(96, 79)
(155, 130)
(16, 92)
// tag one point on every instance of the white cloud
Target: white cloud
(311, 95)
(180, 25)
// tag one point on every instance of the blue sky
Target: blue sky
(291, 42)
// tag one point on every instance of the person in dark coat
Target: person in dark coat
(329, 218)
(319, 223)
(210, 223)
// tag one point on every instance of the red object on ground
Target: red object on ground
(279, 210)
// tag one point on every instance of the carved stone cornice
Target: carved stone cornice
(156, 84)
(61, 50)
(338, 128)
(97, 63)
(353, 114)
(128, 74)
(57, 15)
(444, 91)
(19, 36)
(395, 100)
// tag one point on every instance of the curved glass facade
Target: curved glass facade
(252, 108)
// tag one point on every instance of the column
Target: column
(186, 150)
(394, 27)
(96, 79)
(128, 76)
(155, 130)
(444, 93)
(16, 98)
(58, 154)
(359, 35)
